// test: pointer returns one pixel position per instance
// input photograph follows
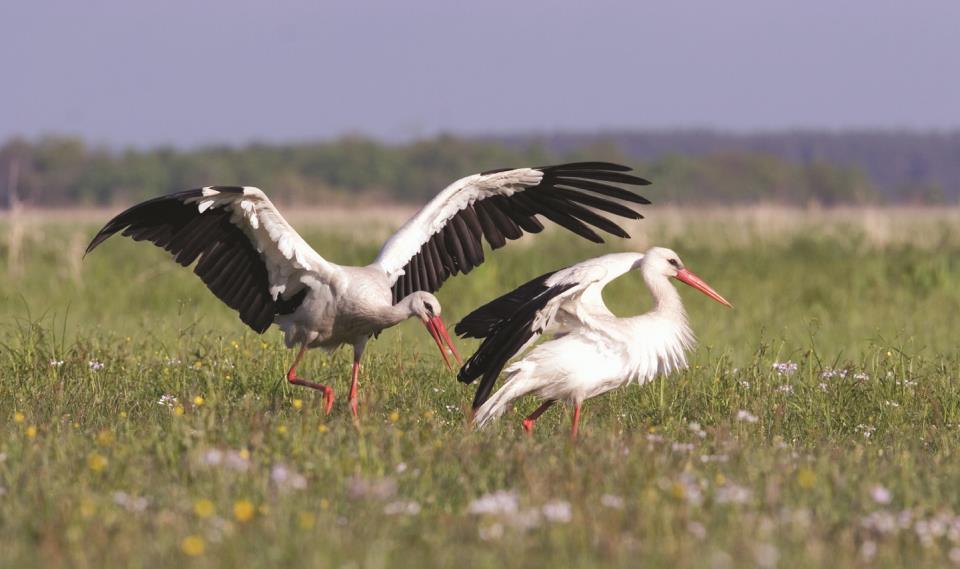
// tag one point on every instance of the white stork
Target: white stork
(255, 262)
(594, 351)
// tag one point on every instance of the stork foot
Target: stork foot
(326, 390)
(528, 426)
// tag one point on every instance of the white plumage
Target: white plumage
(254, 261)
(594, 351)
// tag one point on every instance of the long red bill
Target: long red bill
(439, 332)
(685, 276)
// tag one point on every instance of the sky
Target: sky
(195, 72)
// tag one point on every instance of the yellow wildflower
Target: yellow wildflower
(193, 545)
(394, 416)
(322, 428)
(243, 510)
(87, 508)
(31, 431)
(105, 438)
(198, 400)
(806, 478)
(204, 508)
(197, 364)
(306, 520)
(178, 410)
(96, 462)
(324, 504)
(245, 454)
(281, 429)
(298, 403)
(19, 417)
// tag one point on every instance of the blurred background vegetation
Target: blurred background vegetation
(688, 167)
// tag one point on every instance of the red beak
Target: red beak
(685, 276)
(439, 332)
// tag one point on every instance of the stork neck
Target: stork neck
(396, 313)
(666, 299)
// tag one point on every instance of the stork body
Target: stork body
(594, 351)
(255, 262)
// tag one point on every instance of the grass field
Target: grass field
(141, 424)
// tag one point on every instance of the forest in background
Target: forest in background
(687, 167)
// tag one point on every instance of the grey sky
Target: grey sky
(228, 71)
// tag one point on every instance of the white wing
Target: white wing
(250, 257)
(446, 236)
(554, 303)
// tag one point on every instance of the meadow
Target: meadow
(142, 425)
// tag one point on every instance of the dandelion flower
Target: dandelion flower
(19, 417)
(198, 400)
(96, 462)
(193, 545)
(394, 416)
(322, 428)
(243, 511)
(31, 431)
(281, 429)
(204, 508)
(178, 410)
(298, 403)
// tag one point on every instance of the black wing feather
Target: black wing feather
(565, 196)
(229, 263)
(505, 324)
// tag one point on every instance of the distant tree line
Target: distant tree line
(60, 171)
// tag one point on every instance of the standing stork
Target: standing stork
(254, 261)
(594, 351)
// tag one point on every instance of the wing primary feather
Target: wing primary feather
(604, 189)
(504, 225)
(490, 230)
(586, 166)
(597, 203)
(561, 218)
(585, 215)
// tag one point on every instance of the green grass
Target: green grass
(798, 487)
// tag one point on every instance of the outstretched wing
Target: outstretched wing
(546, 304)
(446, 236)
(250, 257)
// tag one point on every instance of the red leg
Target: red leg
(353, 388)
(531, 419)
(576, 421)
(292, 378)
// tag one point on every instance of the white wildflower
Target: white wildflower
(95, 365)
(557, 511)
(733, 494)
(495, 503)
(167, 400)
(746, 416)
(880, 494)
(785, 368)
(402, 508)
(611, 501)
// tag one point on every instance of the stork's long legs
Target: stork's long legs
(292, 378)
(576, 421)
(354, 387)
(354, 382)
(532, 417)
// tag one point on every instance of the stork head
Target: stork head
(426, 307)
(663, 261)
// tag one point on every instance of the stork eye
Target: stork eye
(674, 262)
(429, 307)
